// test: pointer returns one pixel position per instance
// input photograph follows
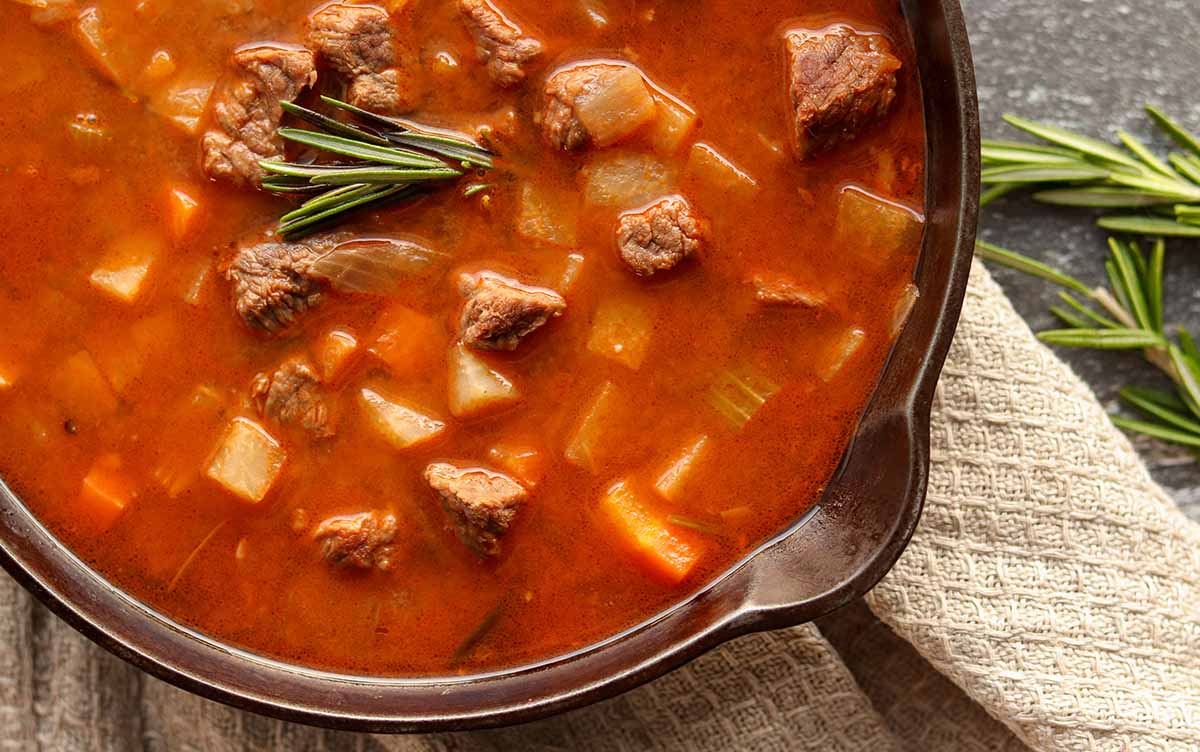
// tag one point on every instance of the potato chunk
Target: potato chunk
(402, 424)
(476, 387)
(247, 462)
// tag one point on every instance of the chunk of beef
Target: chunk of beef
(564, 90)
(840, 81)
(291, 396)
(272, 284)
(358, 41)
(658, 237)
(505, 49)
(774, 289)
(500, 312)
(481, 503)
(364, 540)
(246, 111)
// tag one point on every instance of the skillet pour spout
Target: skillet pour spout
(832, 556)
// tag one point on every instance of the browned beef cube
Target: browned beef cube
(840, 82)
(500, 312)
(359, 42)
(291, 396)
(246, 111)
(363, 541)
(481, 503)
(660, 236)
(504, 48)
(272, 285)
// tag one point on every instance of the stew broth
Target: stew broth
(115, 395)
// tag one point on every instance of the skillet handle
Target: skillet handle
(845, 545)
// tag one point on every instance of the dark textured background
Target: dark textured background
(1090, 65)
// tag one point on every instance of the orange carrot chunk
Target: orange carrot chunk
(666, 556)
(106, 492)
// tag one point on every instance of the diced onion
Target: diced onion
(548, 215)
(715, 170)
(623, 180)
(373, 266)
(400, 423)
(621, 331)
(873, 227)
(617, 105)
(843, 349)
(247, 462)
(585, 445)
(674, 479)
(476, 387)
(675, 124)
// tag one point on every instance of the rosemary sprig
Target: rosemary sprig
(1075, 170)
(390, 160)
(1126, 315)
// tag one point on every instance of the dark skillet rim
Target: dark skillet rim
(48, 570)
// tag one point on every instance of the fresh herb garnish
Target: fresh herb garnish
(1075, 170)
(390, 160)
(1128, 315)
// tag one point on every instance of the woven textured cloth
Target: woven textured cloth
(1050, 600)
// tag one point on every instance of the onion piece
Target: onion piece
(618, 105)
(374, 266)
(625, 180)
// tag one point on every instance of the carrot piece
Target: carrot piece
(183, 211)
(666, 556)
(526, 462)
(106, 492)
(409, 343)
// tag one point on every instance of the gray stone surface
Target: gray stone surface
(1090, 65)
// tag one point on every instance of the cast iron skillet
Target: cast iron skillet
(832, 556)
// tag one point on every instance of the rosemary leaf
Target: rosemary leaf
(995, 192)
(358, 150)
(1020, 154)
(1143, 153)
(306, 224)
(1153, 404)
(1135, 225)
(1188, 165)
(385, 175)
(1186, 376)
(1176, 131)
(1101, 197)
(1102, 339)
(327, 199)
(380, 121)
(1187, 344)
(1154, 283)
(1022, 146)
(1027, 173)
(1155, 396)
(461, 151)
(1104, 321)
(1158, 185)
(1069, 318)
(1029, 266)
(1125, 258)
(1157, 430)
(332, 126)
(1083, 144)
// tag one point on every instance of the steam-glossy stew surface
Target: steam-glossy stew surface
(709, 275)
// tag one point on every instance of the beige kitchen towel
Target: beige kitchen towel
(1050, 600)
